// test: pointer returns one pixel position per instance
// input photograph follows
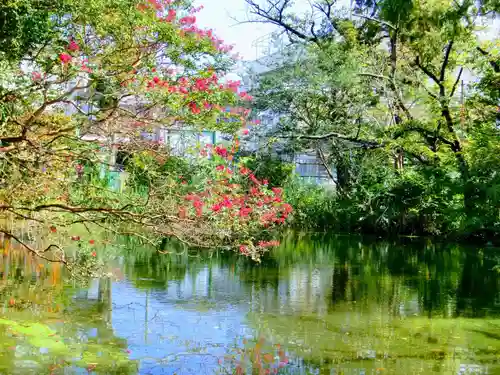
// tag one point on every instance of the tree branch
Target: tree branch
(456, 82)
(38, 253)
(427, 71)
(494, 64)
(442, 74)
(364, 143)
(385, 23)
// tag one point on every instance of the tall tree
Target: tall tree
(110, 72)
(411, 56)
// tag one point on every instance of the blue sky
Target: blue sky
(222, 16)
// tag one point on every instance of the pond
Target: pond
(317, 305)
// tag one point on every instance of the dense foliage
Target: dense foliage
(80, 80)
(400, 101)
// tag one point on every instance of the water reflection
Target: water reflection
(318, 305)
(50, 326)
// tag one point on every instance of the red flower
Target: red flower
(265, 182)
(53, 229)
(85, 68)
(171, 15)
(94, 254)
(201, 84)
(219, 168)
(243, 249)
(75, 238)
(194, 108)
(254, 179)
(221, 151)
(65, 58)
(216, 207)
(227, 202)
(156, 79)
(277, 191)
(244, 171)
(73, 46)
(91, 242)
(245, 211)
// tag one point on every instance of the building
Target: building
(271, 53)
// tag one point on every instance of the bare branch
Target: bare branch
(38, 253)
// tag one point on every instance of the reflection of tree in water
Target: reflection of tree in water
(341, 297)
(439, 280)
(478, 287)
(375, 285)
(73, 331)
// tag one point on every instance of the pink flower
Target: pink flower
(227, 202)
(245, 211)
(85, 68)
(246, 131)
(65, 58)
(216, 207)
(188, 20)
(36, 76)
(243, 249)
(221, 151)
(73, 46)
(171, 15)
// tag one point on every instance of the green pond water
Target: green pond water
(317, 305)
